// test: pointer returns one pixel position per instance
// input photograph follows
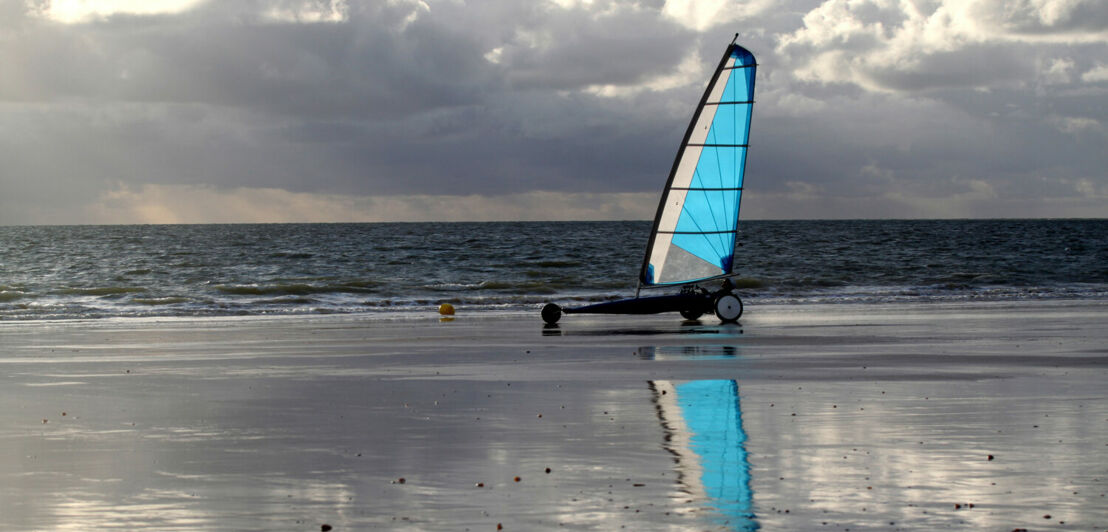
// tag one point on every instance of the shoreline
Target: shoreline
(428, 312)
(846, 417)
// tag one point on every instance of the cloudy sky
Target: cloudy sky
(140, 111)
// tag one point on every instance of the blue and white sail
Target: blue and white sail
(697, 221)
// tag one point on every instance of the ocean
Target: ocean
(94, 272)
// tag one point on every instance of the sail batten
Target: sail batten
(694, 231)
(697, 232)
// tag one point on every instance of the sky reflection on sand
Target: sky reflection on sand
(991, 454)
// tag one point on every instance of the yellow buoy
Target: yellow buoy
(446, 309)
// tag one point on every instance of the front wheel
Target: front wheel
(729, 307)
(551, 313)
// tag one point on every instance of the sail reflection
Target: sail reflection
(690, 352)
(704, 432)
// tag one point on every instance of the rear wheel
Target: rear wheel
(551, 313)
(728, 307)
(691, 314)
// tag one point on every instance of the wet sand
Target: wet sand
(916, 417)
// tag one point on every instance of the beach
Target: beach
(910, 416)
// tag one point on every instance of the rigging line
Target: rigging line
(719, 168)
(752, 65)
(716, 220)
(741, 155)
(728, 217)
(707, 188)
(692, 218)
(719, 145)
(749, 102)
(740, 165)
(736, 196)
(711, 210)
(741, 127)
(701, 232)
(703, 237)
(729, 212)
(732, 214)
(700, 176)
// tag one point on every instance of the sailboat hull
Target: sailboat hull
(725, 303)
(649, 305)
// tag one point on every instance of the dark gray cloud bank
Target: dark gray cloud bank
(279, 110)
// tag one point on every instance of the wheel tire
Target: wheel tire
(551, 313)
(691, 314)
(729, 307)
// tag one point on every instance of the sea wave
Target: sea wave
(93, 272)
(11, 295)
(156, 301)
(353, 287)
(101, 291)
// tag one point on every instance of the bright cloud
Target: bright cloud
(1059, 71)
(72, 11)
(1096, 74)
(886, 45)
(690, 69)
(701, 15)
(1075, 125)
(309, 12)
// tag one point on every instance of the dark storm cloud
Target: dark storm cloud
(219, 55)
(863, 100)
(396, 98)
